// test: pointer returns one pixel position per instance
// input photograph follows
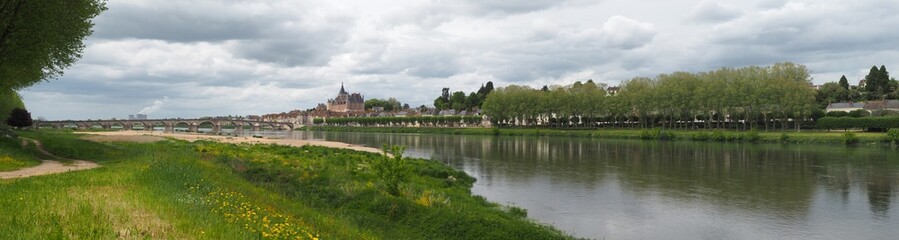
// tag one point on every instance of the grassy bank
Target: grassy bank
(13, 155)
(205, 190)
(654, 134)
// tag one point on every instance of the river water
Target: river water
(628, 189)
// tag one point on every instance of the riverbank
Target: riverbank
(191, 137)
(835, 137)
(161, 188)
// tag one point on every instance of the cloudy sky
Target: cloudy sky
(192, 58)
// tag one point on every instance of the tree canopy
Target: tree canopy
(41, 38)
(878, 83)
(389, 105)
(459, 101)
(726, 98)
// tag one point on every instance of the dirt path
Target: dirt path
(48, 166)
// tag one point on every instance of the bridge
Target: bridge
(169, 125)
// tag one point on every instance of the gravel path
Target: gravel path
(48, 166)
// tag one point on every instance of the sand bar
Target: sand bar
(141, 136)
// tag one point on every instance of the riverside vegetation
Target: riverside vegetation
(208, 190)
(892, 136)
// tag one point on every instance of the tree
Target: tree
(844, 82)
(457, 101)
(9, 100)
(831, 93)
(41, 38)
(19, 118)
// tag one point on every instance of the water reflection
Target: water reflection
(634, 189)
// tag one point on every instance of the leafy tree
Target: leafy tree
(831, 93)
(741, 98)
(457, 101)
(19, 118)
(41, 38)
(9, 100)
(844, 82)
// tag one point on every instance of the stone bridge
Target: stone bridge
(192, 125)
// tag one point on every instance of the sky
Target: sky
(194, 58)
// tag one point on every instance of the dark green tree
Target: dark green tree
(457, 101)
(844, 82)
(41, 38)
(19, 118)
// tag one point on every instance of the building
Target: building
(885, 105)
(845, 106)
(137, 117)
(345, 102)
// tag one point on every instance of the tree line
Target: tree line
(459, 101)
(878, 86)
(400, 121)
(777, 96)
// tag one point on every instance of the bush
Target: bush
(752, 136)
(656, 134)
(19, 118)
(700, 136)
(859, 113)
(784, 137)
(893, 135)
(850, 138)
(392, 170)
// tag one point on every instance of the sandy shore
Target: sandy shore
(141, 136)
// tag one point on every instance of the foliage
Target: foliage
(394, 121)
(19, 118)
(742, 98)
(656, 134)
(9, 99)
(892, 135)
(40, 39)
(859, 113)
(832, 93)
(869, 123)
(458, 100)
(392, 169)
(877, 82)
(389, 105)
(850, 138)
(844, 83)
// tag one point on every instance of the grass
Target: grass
(13, 156)
(206, 190)
(808, 136)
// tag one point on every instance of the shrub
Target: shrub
(19, 118)
(784, 137)
(752, 136)
(700, 136)
(893, 135)
(392, 170)
(850, 138)
(859, 113)
(719, 136)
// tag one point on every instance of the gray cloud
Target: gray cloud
(238, 57)
(714, 12)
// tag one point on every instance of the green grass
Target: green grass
(206, 190)
(13, 156)
(806, 136)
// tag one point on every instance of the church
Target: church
(345, 102)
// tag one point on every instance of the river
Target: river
(629, 189)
